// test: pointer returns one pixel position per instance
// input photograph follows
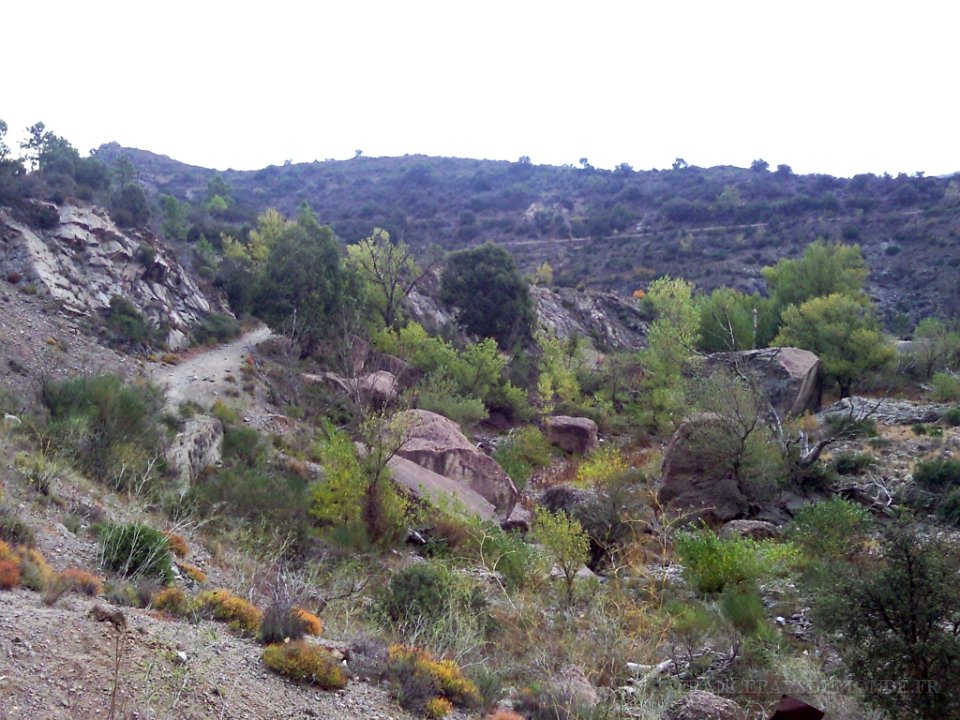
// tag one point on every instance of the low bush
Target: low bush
(128, 327)
(830, 529)
(420, 680)
(178, 544)
(9, 574)
(713, 564)
(951, 417)
(83, 582)
(171, 600)
(305, 663)
(506, 553)
(193, 572)
(36, 573)
(852, 463)
(215, 328)
(522, 453)
(937, 474)
(312, 625)
(418, 591)
(281, 623)
(226, 607)
(13, 529)
(134, 550)
(946, 387)
(948, 508)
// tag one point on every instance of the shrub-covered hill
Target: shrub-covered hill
(614, 229)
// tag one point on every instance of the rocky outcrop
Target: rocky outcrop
(572, 434)
(888, 412)
(84, 260)
(608, 321)
(753, 529)
(197, 446)
(436, 443)
(696, 475)
(441, 491)
(788, 377)
(377, 389)
(702, 705)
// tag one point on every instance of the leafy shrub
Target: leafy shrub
(952, 417)
(521, 453)
(417, 591)
(312, 625)
(937, 474)
(418, 679)
(193, 572)
(854, 428)
(506, 553)
(437, 393)
(110, 427)
(36, 573)
(83, 582)
(281, 623)
(178, 544)
(127, 325)
(135, 550)
(216, 328)
(713, 564)
(948, 509)
(9, 574)
(14, 529)
(946, 387)
(566, 544)
(305, 663)
(171, 600)
(852, 463)
(743, 609)
(226, 607)
(437, 707)
(830, 529)
(244, 445)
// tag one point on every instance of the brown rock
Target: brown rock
(439, 490)
(436, 443)
(573, 434)
(754, 529)
(520, 520)
(702, 705)
(696, 474)
(788, 377)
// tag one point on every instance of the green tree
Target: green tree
(124, 171)
(823, 269)
(730, 320)
(4, 148)
(489, 295)
(174, 222)
(935, 346)
(302, 286)
(33, 145)
(842, 331)
(389, 268)
(897, 619)
(566, 542)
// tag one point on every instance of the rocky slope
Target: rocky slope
(84, 260)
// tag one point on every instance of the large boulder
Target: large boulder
(788, 377)
(437, 444)
(573, 434)
(702, 705)
(753, 529)
(886, 411)
(439, 490)
(377, 389)
(696, 472)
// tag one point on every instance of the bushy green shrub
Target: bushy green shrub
(134, 550)
(948, 508)
(215, 328)
(14, 529)
(946, 387)
(830, 529)
(713, 564)
(244, 445)
(127, 325)
(418, 591)
(852, 463)
(506, 553)
(522, 453)
(743, 609)
(852, 427)
(305, 663)
(111, 428)
(951, 417)
(438, 393)
(937, 474)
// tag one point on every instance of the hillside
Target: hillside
(619, 229)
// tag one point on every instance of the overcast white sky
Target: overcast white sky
(839, 87)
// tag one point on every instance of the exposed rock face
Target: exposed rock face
(520, 520)
(377, 389)
(888, 412)
(436, 443)
(85, 260)
(198, 446)
(702, 705)
(573, 434)
(564, 497)
(696, 477)
(438, 489)
(607, 320)
(754, 529)
(789, 377)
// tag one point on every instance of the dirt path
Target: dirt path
(204, 377)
